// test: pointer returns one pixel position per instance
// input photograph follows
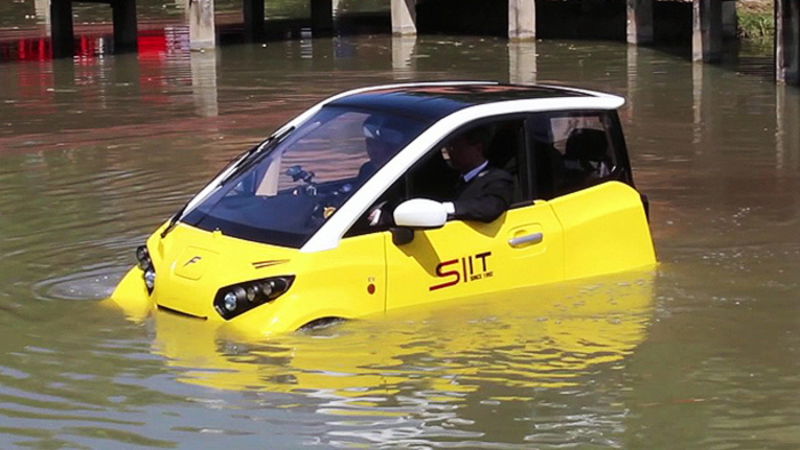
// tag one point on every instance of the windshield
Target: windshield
(283, 196)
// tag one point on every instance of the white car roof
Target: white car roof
(448, 106)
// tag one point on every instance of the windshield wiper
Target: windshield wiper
(174, 220)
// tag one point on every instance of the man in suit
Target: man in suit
(484, 192)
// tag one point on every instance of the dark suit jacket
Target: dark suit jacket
(485, 197)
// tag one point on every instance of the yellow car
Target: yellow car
(348, 209)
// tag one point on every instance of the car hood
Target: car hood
(192, 265)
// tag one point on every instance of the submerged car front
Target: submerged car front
(232, 255)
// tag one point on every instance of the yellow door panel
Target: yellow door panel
(605, 230)
(521, 248)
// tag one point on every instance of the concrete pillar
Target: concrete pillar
(61, 28)
(321, 17)
(730, 19)
(404, 17)
(253, 13)
(640, 22)
(707, 30)
(202, 33)
(787, 41)
(522, 62)
(522, 20)
(125, 29)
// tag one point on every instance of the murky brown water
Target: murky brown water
(702, 353)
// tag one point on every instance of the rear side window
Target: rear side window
(573, 151)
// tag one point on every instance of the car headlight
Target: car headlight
(233, 300)
(146, 264)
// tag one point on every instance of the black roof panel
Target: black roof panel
(433, 102)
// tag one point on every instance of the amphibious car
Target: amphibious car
(285, 237)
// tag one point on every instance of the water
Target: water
(701, 353)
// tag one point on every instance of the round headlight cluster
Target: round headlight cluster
(231, 301)
(146, 264)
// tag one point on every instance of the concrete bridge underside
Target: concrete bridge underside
(711, 21)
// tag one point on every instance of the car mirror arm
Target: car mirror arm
(402, 235)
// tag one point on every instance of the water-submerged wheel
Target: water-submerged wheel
(321, 323)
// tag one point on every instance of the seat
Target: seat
(502, 153)
(585, 159)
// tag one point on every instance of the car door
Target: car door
(522, 247)
(592, 194)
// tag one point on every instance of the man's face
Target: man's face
(463, 155)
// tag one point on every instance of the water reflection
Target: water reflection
(403, 48)
(96, 152)
(460, 357)
(204, 83)
(702, 105)
(787, 138)
(522, 62)
(42, 8)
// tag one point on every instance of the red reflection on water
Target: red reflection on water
(153, 44)
(37, 79)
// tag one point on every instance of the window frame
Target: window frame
(621, 172)
(524, 172)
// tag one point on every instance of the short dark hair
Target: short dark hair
(478, 135)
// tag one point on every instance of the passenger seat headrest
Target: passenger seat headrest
(587, 144)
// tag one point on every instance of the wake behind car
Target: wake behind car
(350, 209)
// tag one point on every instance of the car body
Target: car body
(281, 238)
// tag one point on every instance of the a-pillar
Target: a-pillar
(522, 20)
(404, 17)
(61, 28)
(787, 41)
(125, 30)
(321, 17)
(640, 22)
(707, 30)
(253, 13)
(202, 33)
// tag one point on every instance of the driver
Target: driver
(484, 192)
(382, 139)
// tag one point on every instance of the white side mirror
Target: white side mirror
(420, 213)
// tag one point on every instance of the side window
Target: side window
(572, 151)
(435, 177)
